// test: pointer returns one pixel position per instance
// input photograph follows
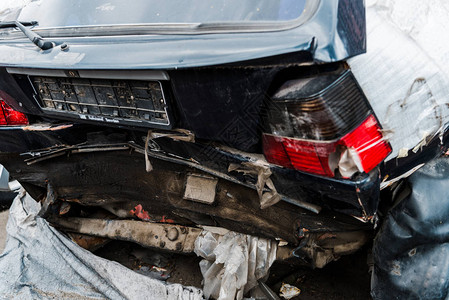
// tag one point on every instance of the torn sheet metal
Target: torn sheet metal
(267, 197)
(405, 72)
(175, 134)
(38, 262)
(262, 165)
(411, 250)
(386, 183)
(233, 263)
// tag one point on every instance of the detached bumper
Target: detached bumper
(96, 166)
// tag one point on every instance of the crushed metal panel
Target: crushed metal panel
(200, 188)
(404, 73)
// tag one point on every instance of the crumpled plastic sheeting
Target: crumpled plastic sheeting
(405, 72)
(39, 262)
(233, 263)
(411, 251)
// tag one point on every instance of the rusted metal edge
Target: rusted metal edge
(168, 237)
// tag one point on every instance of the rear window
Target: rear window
(62, 13)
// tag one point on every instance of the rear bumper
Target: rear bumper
(98, 166)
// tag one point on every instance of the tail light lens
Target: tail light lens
(320, 124)
(9, 116)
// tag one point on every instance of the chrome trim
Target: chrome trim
(95, 74)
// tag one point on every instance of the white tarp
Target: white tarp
(405, 72)
(233, 263)
(39, 262)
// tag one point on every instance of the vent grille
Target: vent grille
(129, 100)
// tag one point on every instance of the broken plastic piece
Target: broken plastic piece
(148, 165)
(349, 164)
(289, 291)
(403, 152)
(177, 134)
(262, 170)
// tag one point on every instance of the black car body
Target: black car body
(170, 118)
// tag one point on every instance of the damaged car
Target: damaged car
(268, 118)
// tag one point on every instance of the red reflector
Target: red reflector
(9, 116)
(366, 142)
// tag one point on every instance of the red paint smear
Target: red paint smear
(140, 213)
(164, 220)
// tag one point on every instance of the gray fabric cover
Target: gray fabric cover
(39, 262)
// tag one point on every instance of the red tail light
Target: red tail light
(366, 144)
(9, 116)
(333, 128)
